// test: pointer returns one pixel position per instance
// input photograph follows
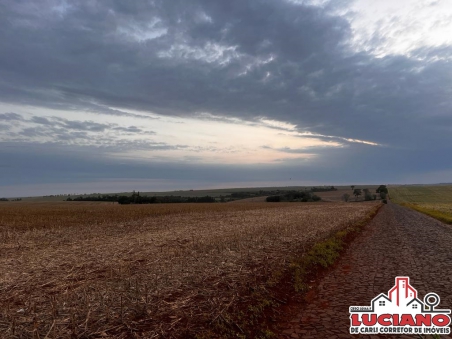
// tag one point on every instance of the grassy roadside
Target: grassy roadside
(431, 210)
(255, 314)
(435, 201)
(324, 254)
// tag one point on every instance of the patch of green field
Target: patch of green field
(421, 194)
(435, 201)
(442, 212)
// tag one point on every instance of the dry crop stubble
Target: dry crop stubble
(91, 270)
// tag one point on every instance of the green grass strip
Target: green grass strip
(325, 253)
(441, 216)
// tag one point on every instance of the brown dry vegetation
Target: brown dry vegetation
(85, 270)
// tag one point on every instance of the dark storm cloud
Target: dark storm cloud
(82, 55)
(247, 59)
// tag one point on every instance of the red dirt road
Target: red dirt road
(397, 242)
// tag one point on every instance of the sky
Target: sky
(108, 96)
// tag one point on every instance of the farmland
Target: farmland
(435, 201)
(91, 270)
(235, 193)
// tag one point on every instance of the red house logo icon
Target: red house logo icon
(402, 292)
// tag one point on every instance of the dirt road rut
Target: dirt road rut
(398, 241)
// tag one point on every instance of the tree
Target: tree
(382, 188)
(367, 195)
(353, 187)
(345, 197)
(357, 192)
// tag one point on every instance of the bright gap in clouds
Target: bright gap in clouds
(207, 138)
(387, 27)
(203, 138)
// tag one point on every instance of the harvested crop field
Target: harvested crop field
(87, 270)
(336, 196)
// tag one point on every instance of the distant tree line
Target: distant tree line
(136, 198)
(58, 195)
(252, 194)
(171, 199)
(15, 199)
(367, 195)
(382, 190)
(249, 194)
(323, 189)
(293, 196)
(105, 197)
